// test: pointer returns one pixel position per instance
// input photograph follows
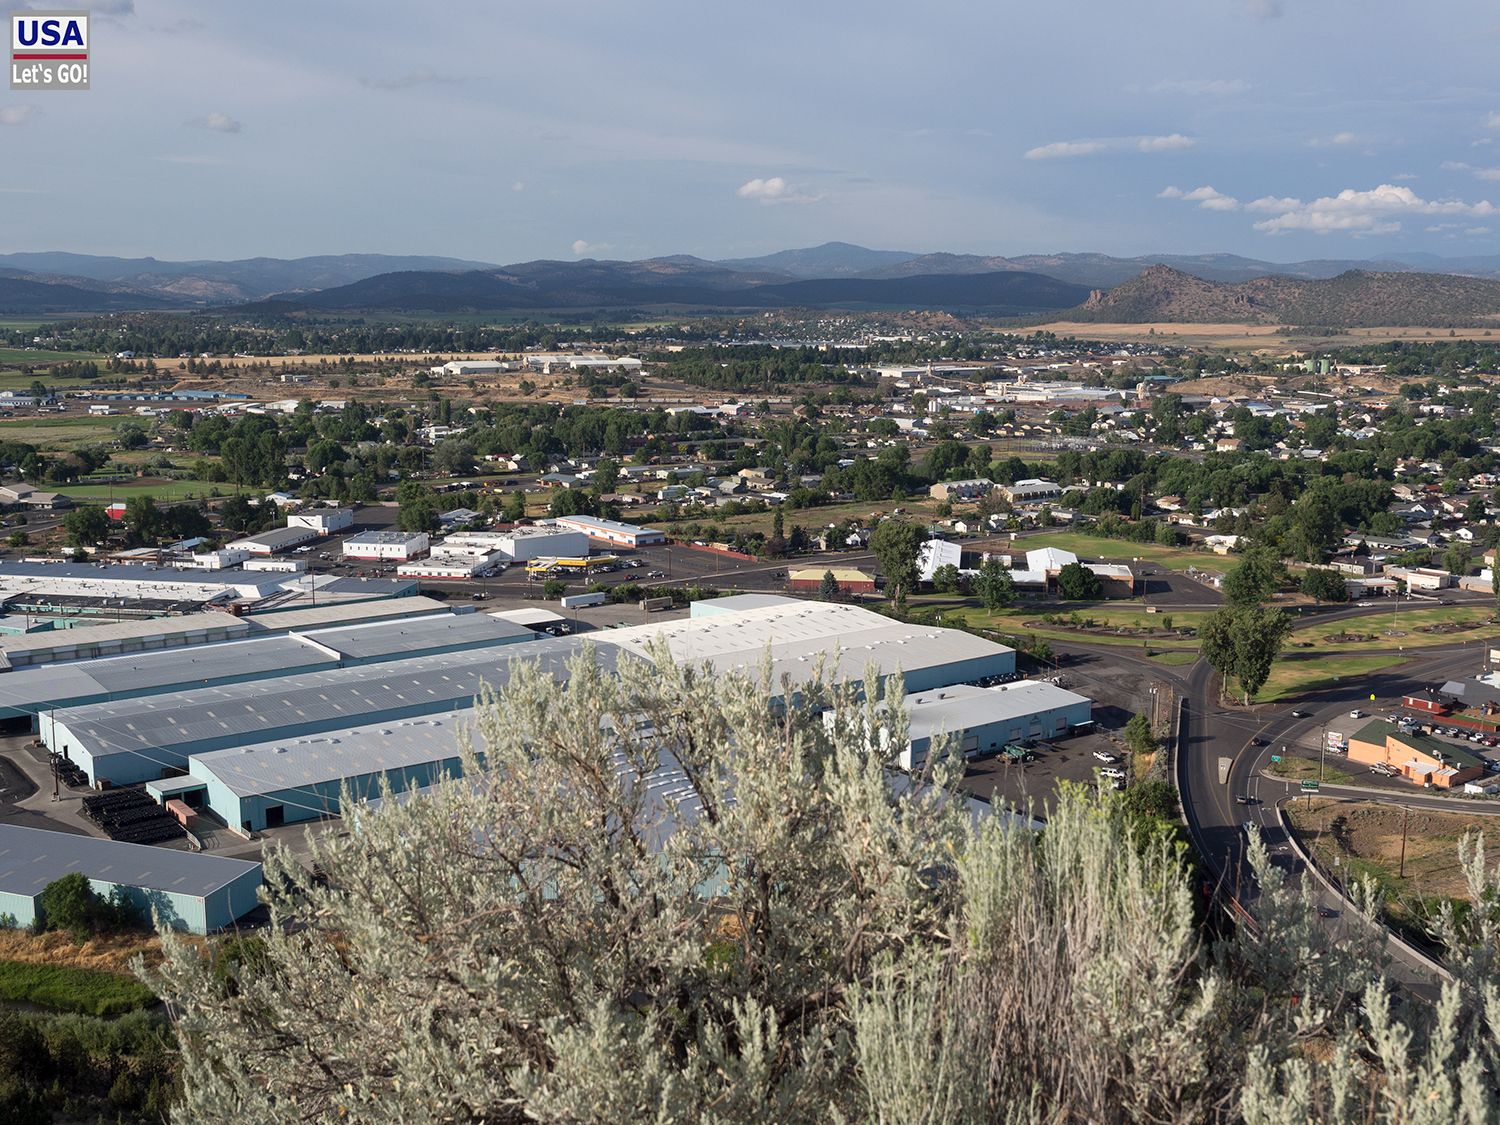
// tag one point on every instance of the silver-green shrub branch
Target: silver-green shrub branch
(654, 896)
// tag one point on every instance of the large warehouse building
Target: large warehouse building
(386, 676)
(798, 632)
(29, 692)
(197, 893)
(259, 752)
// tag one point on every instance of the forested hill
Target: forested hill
(614, 285)
(1353, 299)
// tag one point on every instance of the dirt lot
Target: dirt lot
(1361, 838)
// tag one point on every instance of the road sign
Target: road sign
(1275, 757)
(1310, 785)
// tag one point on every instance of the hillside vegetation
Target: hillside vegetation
(1355, 298)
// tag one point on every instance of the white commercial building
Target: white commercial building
(613, 532)
(984, 720)
(522, 544)
(276, 540)
(401, 546)
(936, 553)
(325, 521)
(1031, 490)
(447, 561)
(473, 367)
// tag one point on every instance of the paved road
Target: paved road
(1247, 738)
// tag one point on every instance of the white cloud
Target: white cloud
(1065, 148)
(1264, 9)
(15, 114)
(1208, 198)
(1478, 173)
(773, 189)
(587, 249)
(1272, 203)
(1201, 87)
(519, 185)
(1478, 230)
(217, 123)
(1174, 142)
(1376, 211)
(1342, 139)
(1492, 119)
(1089, 146)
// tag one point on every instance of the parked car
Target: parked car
(1113, 771)
(1356, 714)
(1327, 912)
(1105, 757)
(1299, 714)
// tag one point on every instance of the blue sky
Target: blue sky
(504, 131)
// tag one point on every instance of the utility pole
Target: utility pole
(1405, 817)
(1322, 751)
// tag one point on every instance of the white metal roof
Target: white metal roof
(798, 634)
(313, 616)
(320, 759)
(307, 702)
(964, 707)
(30, 858)
(595, 523)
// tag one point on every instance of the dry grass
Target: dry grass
(293, 362)
(1367, 838)
(108, 954)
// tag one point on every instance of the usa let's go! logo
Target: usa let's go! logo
(49, 50)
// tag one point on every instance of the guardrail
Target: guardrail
(1337, 889)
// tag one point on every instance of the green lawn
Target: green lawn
(73, 990)
(13, 357)
(1400, 629)
(61, 433)
(1097, 547)
(150, 486)
(1028, 619)
(1175, 657)
(1295, 769)
(1296, 672)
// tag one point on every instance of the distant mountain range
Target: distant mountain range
(1353, 299)
(218, 283)
(672, 282)
(24, 294)
(834, 275)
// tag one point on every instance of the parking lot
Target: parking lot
(1034, 784)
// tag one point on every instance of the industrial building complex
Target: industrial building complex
(258, 699)
(269, 731)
